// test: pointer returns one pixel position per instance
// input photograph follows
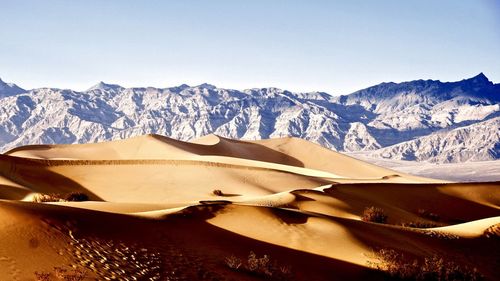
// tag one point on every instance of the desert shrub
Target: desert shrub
(56, 197)
(74, 275)
(76, 196)
(233, 262)
(217, 192)
(70, 275)
(40, 198)
(42, 276)
(62, 273)
(260, 266)
(428, 215)
(374, 214)
(420, 224)
(432, 268)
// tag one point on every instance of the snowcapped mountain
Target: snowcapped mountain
(475, 142)
(417, 120)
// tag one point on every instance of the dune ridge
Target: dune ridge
(188, 206)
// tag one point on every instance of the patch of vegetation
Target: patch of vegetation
(53, 197)
(260, 266)
(432, 268)
(440, 234)
(233, 262)
(56, 197)
(420, 224)
(70, 275)
(42, 276)
(374, 214)
(62, 273)
(217, 192)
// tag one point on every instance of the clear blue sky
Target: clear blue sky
(332, 46)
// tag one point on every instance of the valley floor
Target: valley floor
(461, 172)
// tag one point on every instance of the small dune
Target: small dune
(154, 208)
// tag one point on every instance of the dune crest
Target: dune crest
(189, 206)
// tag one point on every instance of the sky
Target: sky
(311, 45)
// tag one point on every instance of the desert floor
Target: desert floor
(153, 213)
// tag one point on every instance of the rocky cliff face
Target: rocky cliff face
(417, 120)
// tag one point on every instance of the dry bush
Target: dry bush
(432, 268)
(56, 197)
(420, 224)
(40, 198)
(76, 197)
(260, 266)
(217, 192)
(42, 276)
(374, 214)
(233, 262)
(75, 275)
(62, 273)
(439, 234)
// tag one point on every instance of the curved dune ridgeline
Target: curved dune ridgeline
(160, 209)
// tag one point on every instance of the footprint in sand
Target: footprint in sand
(13, 269)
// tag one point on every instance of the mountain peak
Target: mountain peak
(479, 79)
(179, 88)
(3, 83)
(207, 86)
(9, 89)
(105, 87)
(481, 75)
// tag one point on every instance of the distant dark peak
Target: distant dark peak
(207, 86)
(105, 87)
(179, 88)
(479, 79)
(182, 87)
(481, 76)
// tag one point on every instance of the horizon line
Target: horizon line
(236, 87)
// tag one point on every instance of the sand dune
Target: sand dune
(154, 215)
(291, 152)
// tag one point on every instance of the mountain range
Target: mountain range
(422, 120)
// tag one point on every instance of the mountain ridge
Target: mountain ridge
(9, 89)
(370, 119)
